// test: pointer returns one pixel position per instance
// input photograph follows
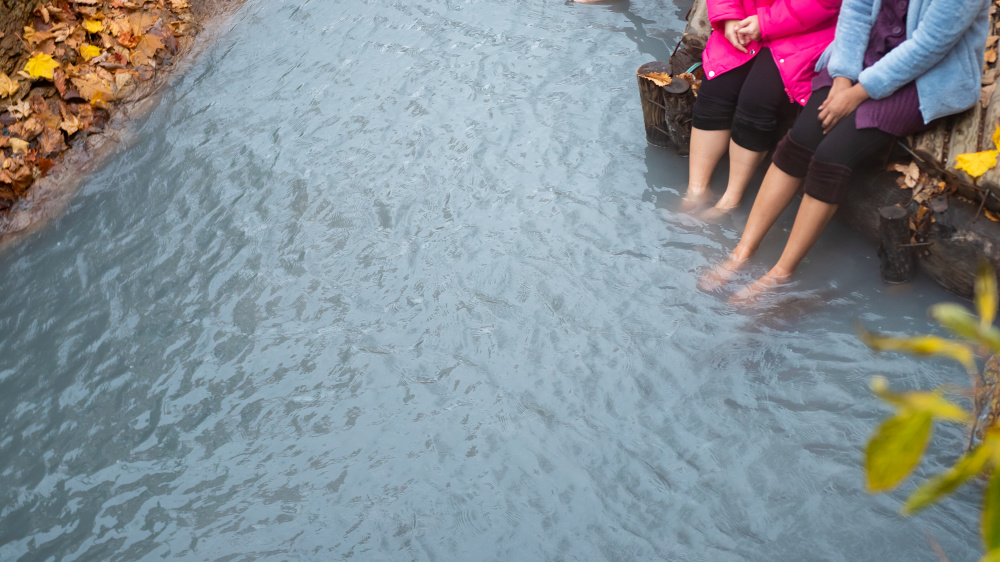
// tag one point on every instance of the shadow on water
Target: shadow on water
(659, 48)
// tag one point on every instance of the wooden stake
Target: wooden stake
(894, 251)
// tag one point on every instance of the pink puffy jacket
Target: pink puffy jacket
(796, 31)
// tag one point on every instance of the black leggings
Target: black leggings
(746, 99)
(826, 160)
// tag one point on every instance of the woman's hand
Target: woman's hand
(840, 103)
(731, 27)
(749, 29)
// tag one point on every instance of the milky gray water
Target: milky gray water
(402, 281)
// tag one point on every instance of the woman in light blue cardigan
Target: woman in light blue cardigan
(894, 67)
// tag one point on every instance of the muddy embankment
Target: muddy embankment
(75, 75)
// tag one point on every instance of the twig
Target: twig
(985, 194)
(915, 244)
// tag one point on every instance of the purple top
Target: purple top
(898, 114)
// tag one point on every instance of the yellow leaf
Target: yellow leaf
(41, 66)
(895, 450)
(991, 513)
(922, 346)
(966, 468)
(89, 51)
(958, 320)
(976, 163)
(18, 145)
(991, 556)
(658, 78)
(986, 293)
(996, 137)
(93, 26)
(8, 86)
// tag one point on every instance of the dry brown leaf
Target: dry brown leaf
(20, 110)
(992, 215)
(51, 140)
(18, 145)
(8, 86)
(659, 78)
(141, 21)
(991, 56)
(70, 123)
(986, 94)
(149, 44)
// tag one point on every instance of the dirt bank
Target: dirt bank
(74, 74)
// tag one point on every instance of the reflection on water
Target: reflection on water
(401, 280)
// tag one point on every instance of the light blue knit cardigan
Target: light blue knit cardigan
(943, 52)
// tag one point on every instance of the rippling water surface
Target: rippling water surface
(402, 280)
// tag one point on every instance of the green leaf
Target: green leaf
(920, 402)
(986, 293)
(923, 346)
(948, 481)
(895, 450)
(959, 321)
(991, 513)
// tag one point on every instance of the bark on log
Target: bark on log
(666, 110)
(14, 15)
(894, 251)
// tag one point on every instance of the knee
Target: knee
(712, 113)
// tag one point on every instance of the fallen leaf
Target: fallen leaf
(70, 123)
(177, 5)
(986, 94)
(149, 44)
(18, 145)
(51, 140)
(992, 215)
(659, 78)
(991, 41)
(991, 56)
(93, 26)
(141, 21)
(976, 163)
(20, 110)
(41, 66)
(8, 86)
(89, 51)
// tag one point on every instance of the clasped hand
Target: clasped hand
(842, 100)
(741, 32)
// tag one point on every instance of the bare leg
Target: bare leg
(707, 148)
(775, 194)
(812, 218)
(742, 165)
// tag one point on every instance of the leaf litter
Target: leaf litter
(80, 56)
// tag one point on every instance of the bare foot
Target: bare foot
(694, 199)
(751, 294)
(715, 213)
(718, 276)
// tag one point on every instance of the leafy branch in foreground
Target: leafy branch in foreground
(899, 442)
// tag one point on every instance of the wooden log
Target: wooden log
(666, 110)
(931, 147)
(692, 43)
(894, 250)
(986, 401)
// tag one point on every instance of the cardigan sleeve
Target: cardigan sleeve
(854, 27)
(937, 32)
(721, 10)
(788, 17)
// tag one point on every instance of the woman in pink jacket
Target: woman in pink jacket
(759, 61)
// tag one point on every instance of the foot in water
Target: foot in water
(752, 294)
(695, 199)
(717, 212)
(714, 279)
